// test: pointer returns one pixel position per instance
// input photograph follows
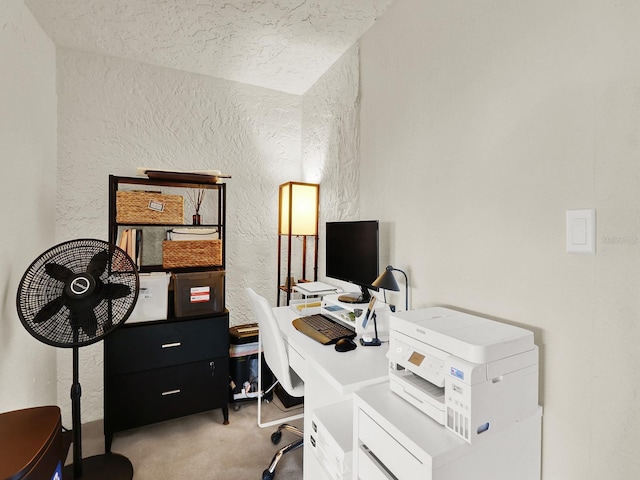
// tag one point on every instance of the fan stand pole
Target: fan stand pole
(108, 466)
(76, 393)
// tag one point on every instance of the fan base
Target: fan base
(109, 466)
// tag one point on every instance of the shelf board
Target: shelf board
(167, 183)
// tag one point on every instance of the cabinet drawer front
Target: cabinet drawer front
(390, 453)
(369, 468)
(142, 398)
(297, 362)
(143, 347)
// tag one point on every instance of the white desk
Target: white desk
(330, 377)
(348, 402)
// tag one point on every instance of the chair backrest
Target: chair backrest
(273, 347)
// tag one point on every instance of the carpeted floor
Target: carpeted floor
(201, 447)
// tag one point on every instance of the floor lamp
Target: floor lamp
(387, 281)
(297, 216)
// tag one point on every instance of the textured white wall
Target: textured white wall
(330, 141)
(116, 114)
(27, 197)
(284, 45)
(485, 121)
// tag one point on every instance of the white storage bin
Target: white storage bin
(152, 298)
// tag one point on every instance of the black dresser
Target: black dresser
(162, 370)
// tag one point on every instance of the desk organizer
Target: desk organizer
(149, 208)
(191, 253)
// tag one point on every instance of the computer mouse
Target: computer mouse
(345, 344)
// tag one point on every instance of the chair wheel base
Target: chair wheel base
(275, 437)
(267, 475)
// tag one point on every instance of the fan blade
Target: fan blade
(58, 271)
(98, 264)
(49, 310)
(86, 320)
(112, 291)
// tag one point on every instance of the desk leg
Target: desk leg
(225, 414)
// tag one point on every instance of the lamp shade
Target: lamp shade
(386, 280)
(298, 208)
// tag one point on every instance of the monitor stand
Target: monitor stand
(353, 297)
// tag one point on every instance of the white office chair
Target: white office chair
(272, 346)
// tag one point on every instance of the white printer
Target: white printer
(471, 374)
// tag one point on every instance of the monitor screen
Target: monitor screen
(352, 256)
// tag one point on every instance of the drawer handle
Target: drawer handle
(170, 392)
(382, 468)
(171, 345)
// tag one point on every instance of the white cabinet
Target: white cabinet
(394, 440)
(385, 451)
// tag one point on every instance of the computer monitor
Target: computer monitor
(352, 256)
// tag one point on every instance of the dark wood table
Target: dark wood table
(31, 446)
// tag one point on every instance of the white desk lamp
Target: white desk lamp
(387, 281)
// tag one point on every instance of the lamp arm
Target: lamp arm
(375, 325)
(406, 289)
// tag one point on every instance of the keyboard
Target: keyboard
(322, 329)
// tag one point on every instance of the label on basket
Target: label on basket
(156, 205)
(200, 294)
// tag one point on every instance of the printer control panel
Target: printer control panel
(422, 363)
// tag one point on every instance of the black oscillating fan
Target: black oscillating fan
(73, 295)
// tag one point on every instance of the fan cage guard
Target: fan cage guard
(37, 288)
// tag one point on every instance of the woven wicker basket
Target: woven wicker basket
(149, 208)
(191, 253)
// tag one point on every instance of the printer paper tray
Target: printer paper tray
(420, 393)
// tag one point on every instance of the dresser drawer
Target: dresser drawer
(138, 399)
(142, 347)
(369, 467)
(390, 455)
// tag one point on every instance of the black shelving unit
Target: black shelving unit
(164, 369)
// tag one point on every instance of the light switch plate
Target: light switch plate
(581, 231)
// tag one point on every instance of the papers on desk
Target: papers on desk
(303, 307)
(314, 288)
